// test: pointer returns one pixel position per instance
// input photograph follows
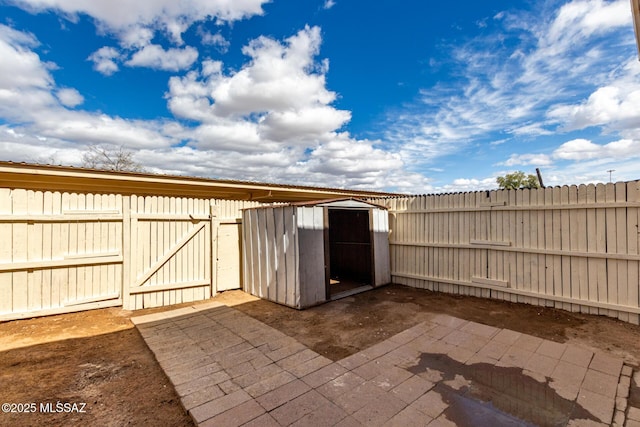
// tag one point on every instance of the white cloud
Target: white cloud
(280, 92)
(460, 185)
(89, 128)
(20, 66)
(170, 16)
(104, 60)
(583, 149)
(328, 4)
(277, 110)
(217, 40)
(135, 24)
(30, 98)
(278, 77)
(136, 37)
(343, 155)
(527, 159)
(576, 21)
(25, 81)
(614, 106)
(69, 97)
(155, 56)
(581, 161)
(303, 123)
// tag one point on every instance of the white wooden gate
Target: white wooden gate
(170, 260)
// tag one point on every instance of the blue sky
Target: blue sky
(402, 96)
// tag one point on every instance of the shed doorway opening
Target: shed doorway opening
(350, 252)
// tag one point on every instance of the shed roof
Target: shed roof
(343, 202)
(66, 178)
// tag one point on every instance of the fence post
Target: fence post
(126, 251)
(215, 223)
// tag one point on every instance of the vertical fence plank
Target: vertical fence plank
(540, 238)
(151, 207)
(549, 262)
(526, 244)
(420, 259)
(81, 271)
(591, 237)
(115, 230)
(147, 259)
(612, 265)
(465, 261)
(557, 245)
(492, 236)
(601, 247)
(127, 254)
(483, 262)
(473, 221)
(621, 248)
(19, 252)
(87, 246)
(65, 231)
(6, 231)
(58, 248)
(431, 268)
(573, 246)
(633, 232)
(47, 247)
(533, 243)
(451, 239)
(175, 297)
(101, 245)
(165, 244)
(34, 250)
(582, 263)
(565, 246)
(139, 252)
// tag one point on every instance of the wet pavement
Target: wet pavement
(230, 369)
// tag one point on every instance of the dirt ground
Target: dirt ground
(99, 359)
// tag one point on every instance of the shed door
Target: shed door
(350, 245)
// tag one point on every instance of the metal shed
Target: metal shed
(304, 254)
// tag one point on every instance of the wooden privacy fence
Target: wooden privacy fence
(66, 251)
(575, 248)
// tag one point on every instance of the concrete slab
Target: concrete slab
(230, 369)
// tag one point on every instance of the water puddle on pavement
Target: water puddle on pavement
(481, 394)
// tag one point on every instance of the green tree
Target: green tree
(517, 179)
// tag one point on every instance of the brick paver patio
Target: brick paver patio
(230, 370)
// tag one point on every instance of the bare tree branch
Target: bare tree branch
(114, 159)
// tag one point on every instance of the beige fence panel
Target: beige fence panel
(61, 252)
(571, 247)
(64, 252)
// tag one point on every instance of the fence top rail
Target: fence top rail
(503, 207)
(65, 178)
(488, 193)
